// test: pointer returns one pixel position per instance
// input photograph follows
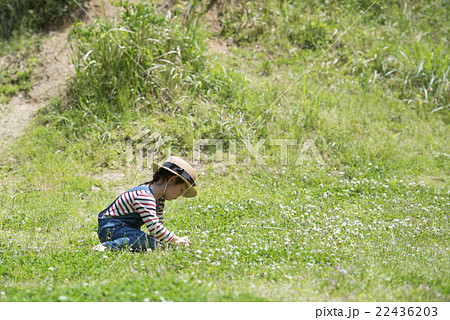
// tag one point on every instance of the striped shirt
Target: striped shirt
(151, 212)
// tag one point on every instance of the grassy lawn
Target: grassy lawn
(363, 218)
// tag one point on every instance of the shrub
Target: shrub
(149, 62)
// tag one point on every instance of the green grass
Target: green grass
(371, 223)
(18, 60)
(388, 234)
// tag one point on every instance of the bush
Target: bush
(149, 62)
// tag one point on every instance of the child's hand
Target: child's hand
(181, 241)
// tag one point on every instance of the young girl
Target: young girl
(119, 225)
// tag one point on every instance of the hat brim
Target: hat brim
(190, 192)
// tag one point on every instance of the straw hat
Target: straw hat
(182, 169)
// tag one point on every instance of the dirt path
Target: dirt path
(54, 69)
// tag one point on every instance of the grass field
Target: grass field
(362, 215)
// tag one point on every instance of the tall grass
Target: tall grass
(149, 62)
(403, 45)
(425, 69)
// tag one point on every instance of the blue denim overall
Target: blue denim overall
(117, 233)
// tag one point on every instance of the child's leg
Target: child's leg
(127, 237)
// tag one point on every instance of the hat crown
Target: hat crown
(183, 165)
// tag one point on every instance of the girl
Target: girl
(120, 223)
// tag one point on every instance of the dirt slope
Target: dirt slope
(53, 71)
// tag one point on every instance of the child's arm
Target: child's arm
(145, 205)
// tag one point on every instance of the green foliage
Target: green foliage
(33, 14)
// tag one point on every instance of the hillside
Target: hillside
(320, 131)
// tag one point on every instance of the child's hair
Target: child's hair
(164, 175)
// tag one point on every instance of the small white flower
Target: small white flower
(62, 298)
(51, 268)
